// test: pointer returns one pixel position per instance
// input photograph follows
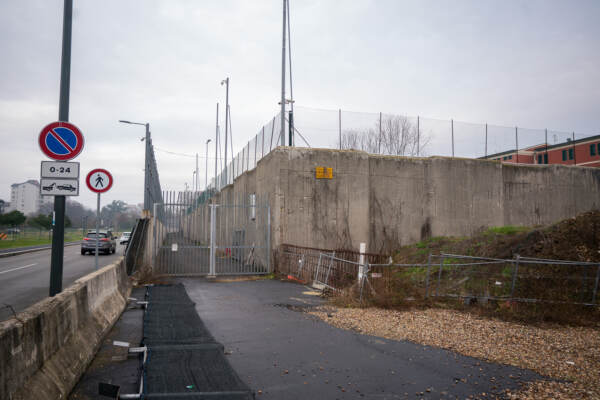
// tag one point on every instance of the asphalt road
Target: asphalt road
(25, 278)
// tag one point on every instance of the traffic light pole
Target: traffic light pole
(58, 236)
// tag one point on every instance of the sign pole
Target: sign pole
(97, 229)
(58, 237)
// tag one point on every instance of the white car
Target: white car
(125, 236)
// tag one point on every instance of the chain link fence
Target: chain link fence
(152, 191)
(387, 134)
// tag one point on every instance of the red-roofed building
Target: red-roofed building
(583, 152)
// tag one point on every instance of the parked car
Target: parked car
(13, 230)
(106, 242)
(125, 236)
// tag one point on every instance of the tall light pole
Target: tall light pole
(194, 182)
(197, 177)
(283, 78)
(206, 167)
(147, 205)
(226, 83)
(217, 144)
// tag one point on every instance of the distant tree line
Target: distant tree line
(392, 135)
(116, 215)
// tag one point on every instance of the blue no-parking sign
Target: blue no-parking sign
(61, 141)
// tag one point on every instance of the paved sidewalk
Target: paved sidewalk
(284, 353)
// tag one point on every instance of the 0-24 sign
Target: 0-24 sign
(59, 169)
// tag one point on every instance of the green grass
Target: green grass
(25, 239)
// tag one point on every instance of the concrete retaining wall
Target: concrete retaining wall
(389, 201)
(44, 353)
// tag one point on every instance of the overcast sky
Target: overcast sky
(516, 63)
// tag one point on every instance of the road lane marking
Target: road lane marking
(18, 268)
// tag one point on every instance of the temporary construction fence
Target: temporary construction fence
(521, 279)
(194, 237)
(302, 263)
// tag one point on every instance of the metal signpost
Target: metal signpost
(69, 150)
(98, 181)
(59, 141)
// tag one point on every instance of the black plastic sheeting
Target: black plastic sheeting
(184, 360)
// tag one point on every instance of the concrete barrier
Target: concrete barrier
(46, 349)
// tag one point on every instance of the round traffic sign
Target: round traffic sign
(61, 141)
(99, 180)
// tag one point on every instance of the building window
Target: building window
(593, 149)
(570, 154)
(546, 158)
(564, 154)
(539, 158)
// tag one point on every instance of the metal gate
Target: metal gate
(225, 235)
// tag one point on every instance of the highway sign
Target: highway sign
(61, 141)
(59, 187)
(60, 169)
(99, 180)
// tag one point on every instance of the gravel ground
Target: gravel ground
(570, 354)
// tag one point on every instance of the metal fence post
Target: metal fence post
(318, 266)
(362, 284)
(486, 139)
(596, 285)
(452, 131)
(329, 269)
(340, 126)
(380, 129)
(427, 278)
(437, 288)
(514, 277)
(213, 225)
(154, 219)
(418, 136)
(517, 143)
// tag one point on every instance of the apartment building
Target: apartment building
(583, 152)
(25, 197)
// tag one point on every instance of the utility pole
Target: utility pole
(226, 82)
(206, 167)
(216, 148)
(197, 180)
(58, 235)
(283, 78)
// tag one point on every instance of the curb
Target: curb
(19, 252)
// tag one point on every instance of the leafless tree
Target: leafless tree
(397, 136)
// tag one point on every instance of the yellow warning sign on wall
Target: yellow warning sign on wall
(324, 172)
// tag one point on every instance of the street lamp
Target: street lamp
(147, 204)
(206, 168)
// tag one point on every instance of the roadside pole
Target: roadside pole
(99, 181)
(97, 230)
(58, 236)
